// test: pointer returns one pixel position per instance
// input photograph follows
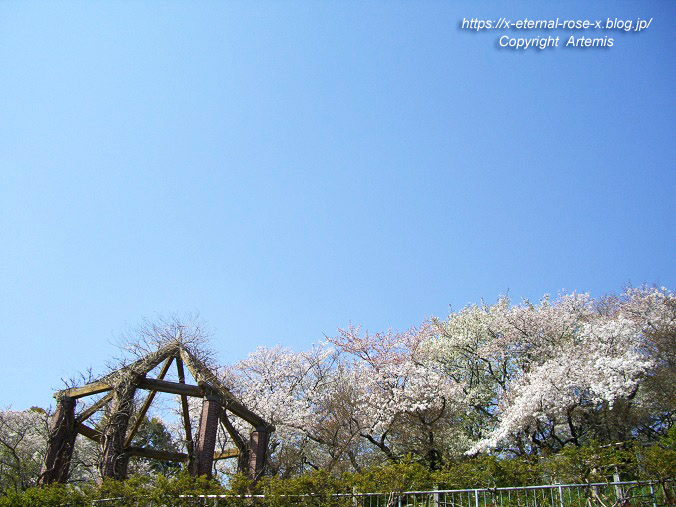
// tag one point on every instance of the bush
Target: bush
(592, 463)
(487, 472)
(54, 495)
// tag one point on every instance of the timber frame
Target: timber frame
(123, 419)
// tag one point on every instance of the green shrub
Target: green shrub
(592, 463)
(488, 472)
(404, 476)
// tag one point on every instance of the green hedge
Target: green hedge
(593, 463)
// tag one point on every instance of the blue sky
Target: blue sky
(285, 168)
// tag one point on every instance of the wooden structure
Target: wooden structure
(123, 419)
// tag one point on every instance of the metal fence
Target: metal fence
(615, 494)
(602, 494)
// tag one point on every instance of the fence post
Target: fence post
(619, 494)
(435, 496)
(561, 495)
(652, 493)
(354, 496)
(476, 498)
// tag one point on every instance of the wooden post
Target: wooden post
(619, 494)
(62, 435)
(243, 458)
(190, 446)
(113, 459)
(206, 438)
(258, 446)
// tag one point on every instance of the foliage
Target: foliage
(593, 463)
(316, 487)
(402, 476)
(659, 461)
(489, 471)
(49, 496)
(156, 490)
(154, 433)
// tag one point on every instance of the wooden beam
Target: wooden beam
(232, 431)
(145, 452)
(165, 386)
(149, 362)
(188, 360)
(146, 404)
(184, 408)
(206, 378)
(88, 432)
(140, 367)
(87, 390)
(228, 453)
(233, 405)
(87, 413)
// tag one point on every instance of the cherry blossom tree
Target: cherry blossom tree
(405, 400)
(358, 399)
(23, 440)
(292, 391)
(557, 372)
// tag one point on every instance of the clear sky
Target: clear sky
(285, 168)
